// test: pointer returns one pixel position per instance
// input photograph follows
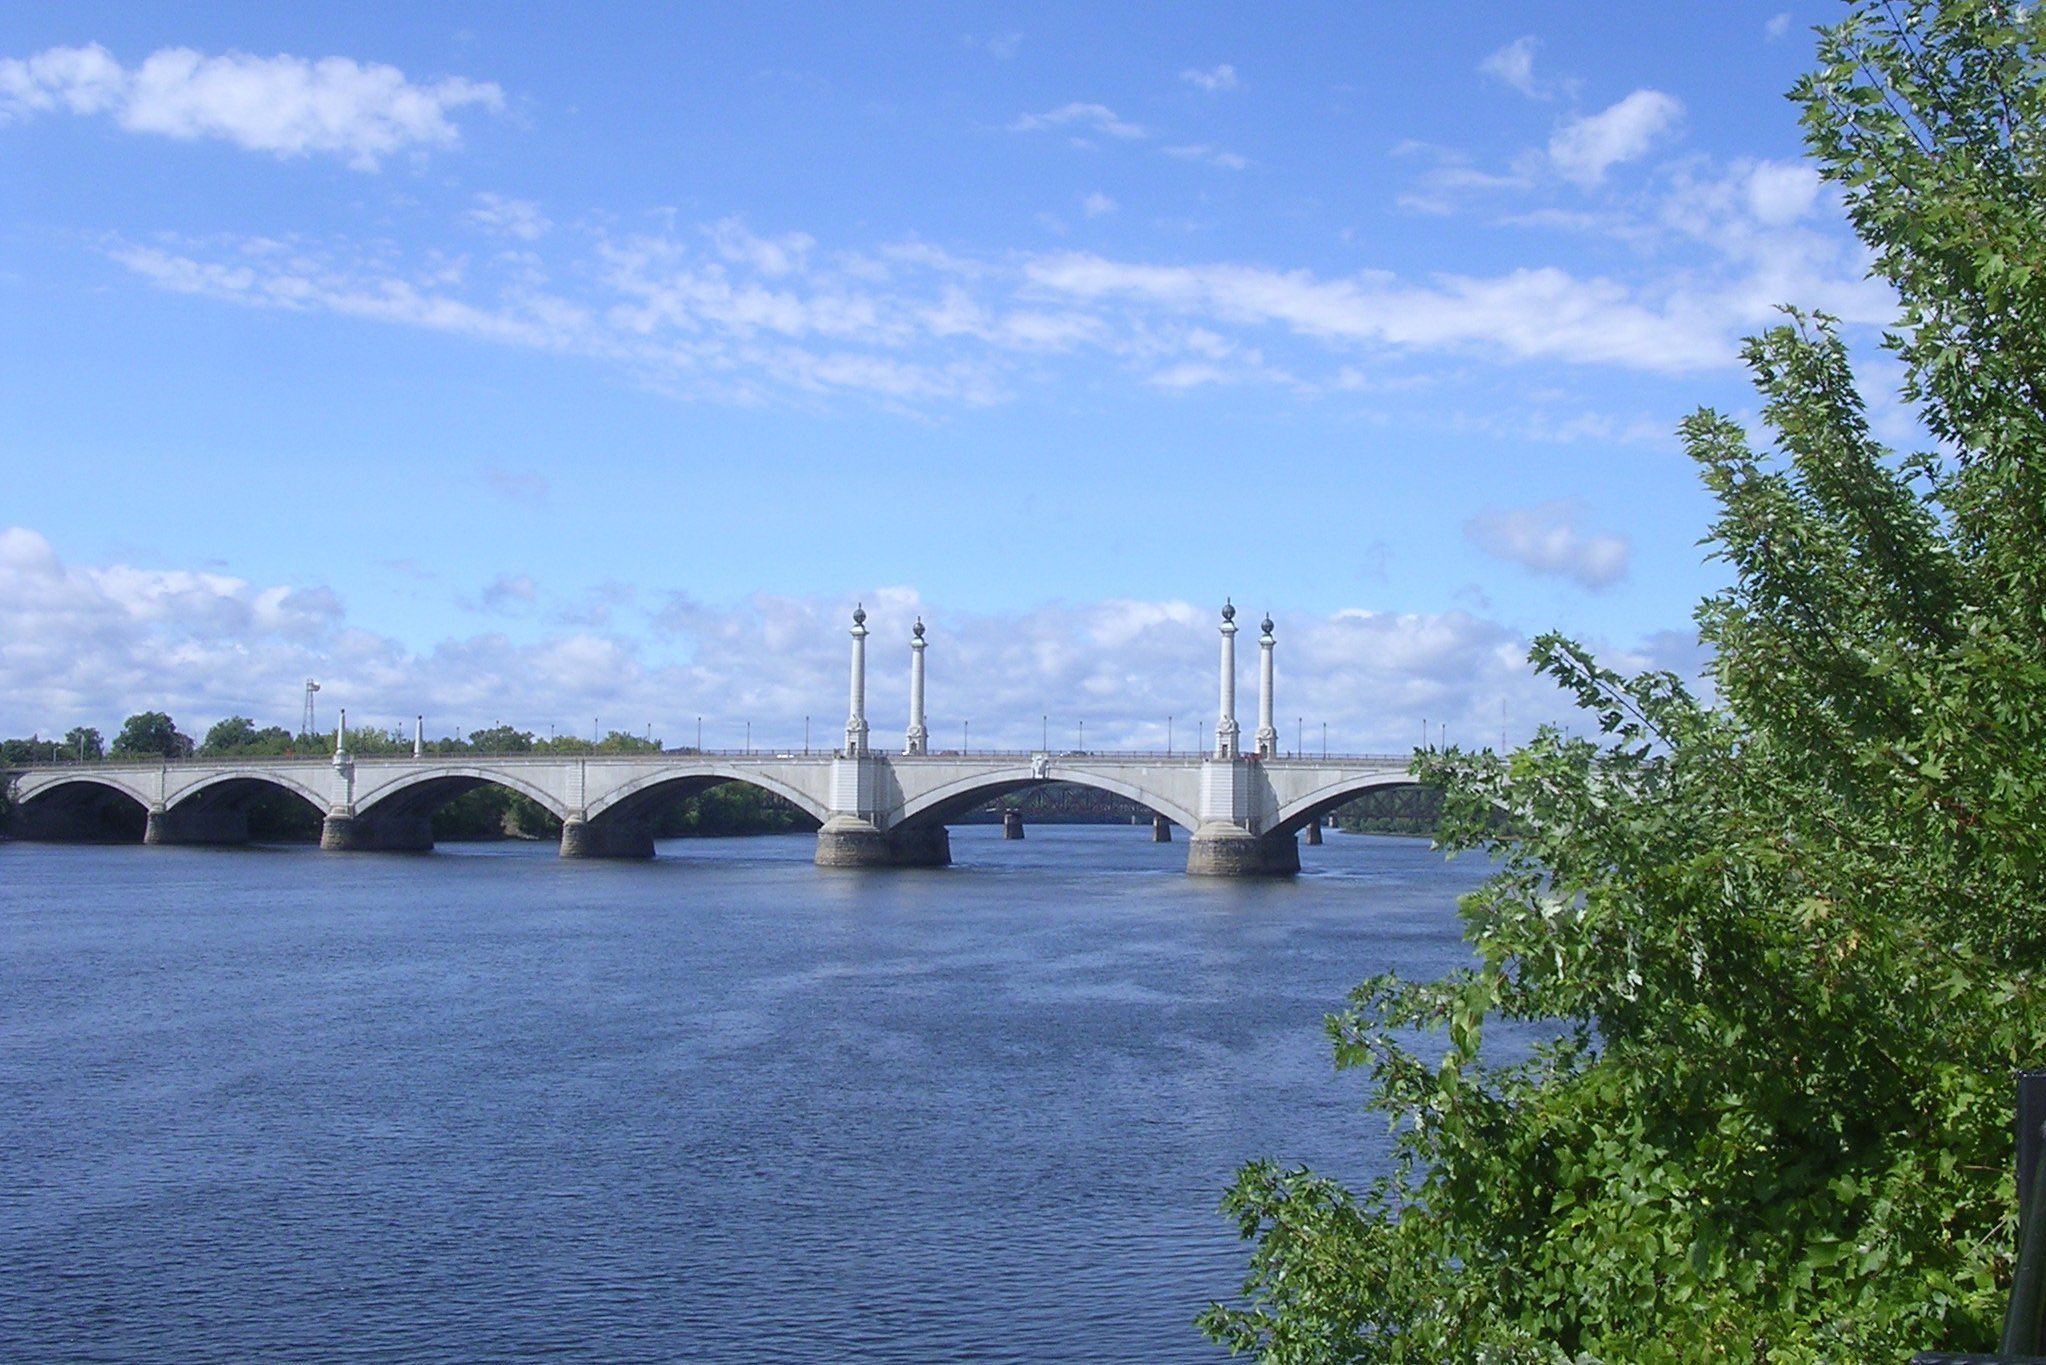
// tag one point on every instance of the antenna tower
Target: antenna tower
(305, 724)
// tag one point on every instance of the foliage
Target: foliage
(150, 734)
(1731, 1076)
(83, 743)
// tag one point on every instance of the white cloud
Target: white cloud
(1547, 539)
(1777, 27)
(1782, 192)
(1213, 156)
(1002, 46)
(1513, 65)
(1215, 79)
(1098, 118)
(82, 644)
(285, 105)
(506, 589)
(1586, 148)
(1097, 205)
(1543, 313)
(520, 218)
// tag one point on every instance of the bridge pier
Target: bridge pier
(1161, 830)
(1012, 824)
(851, 841)
(178, 825)
(1223, 850)
(1314, 832)
(343, 831)
(583, 838)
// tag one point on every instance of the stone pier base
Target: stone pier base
(1161, 830)
(178, 826)
(582, 838)
(1314, 832)
(342, 832)
(1222, 850)
(848, 841)
(1012, 824)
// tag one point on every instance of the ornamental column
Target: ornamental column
(917, 739)
(419, 736)
(1225, 722)
(1267, 736)
(856, 719)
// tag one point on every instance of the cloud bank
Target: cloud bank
(288, 106)
(91, 644)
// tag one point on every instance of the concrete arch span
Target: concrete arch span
(1295, 815)
(88, 809)
(398, 816)
(621, 822)
(643, 794)
(951, 800)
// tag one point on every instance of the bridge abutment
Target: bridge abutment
(343, 831)
(584, 838)
(223, 825)
(1222, 850)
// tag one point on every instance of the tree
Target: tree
(225, 736)
(150, 734)
(83, 742)
(1731, 1076)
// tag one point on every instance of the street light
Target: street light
(806, 736)
(965, 736)
(1082, 745)
(1299, 744)
(1044, 734)
(1168, 736)
(1324, 740)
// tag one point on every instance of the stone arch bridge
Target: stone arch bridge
(872, 809)
(1244, 809)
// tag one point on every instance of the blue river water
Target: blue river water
(484, 1103)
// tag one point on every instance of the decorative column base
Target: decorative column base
(852, 841)
(176, 826)
(582, 838)
(1224, 850)
(1012, 824)
(1161, 830)
(342, 832)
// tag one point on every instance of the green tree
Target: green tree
(227, 736)
(1779, 955)
(150, 734)
(83, 742)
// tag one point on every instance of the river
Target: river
(270, 1103)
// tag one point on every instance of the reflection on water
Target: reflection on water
(721, 1105)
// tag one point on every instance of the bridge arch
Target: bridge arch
(947, 802)
(643, 794)
(1295, 814)
(229, 789)
(85, 808)
(425, 792)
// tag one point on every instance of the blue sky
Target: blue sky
(523, 365)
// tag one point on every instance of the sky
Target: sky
(571, 366)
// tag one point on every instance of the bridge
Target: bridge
(1243, 810)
